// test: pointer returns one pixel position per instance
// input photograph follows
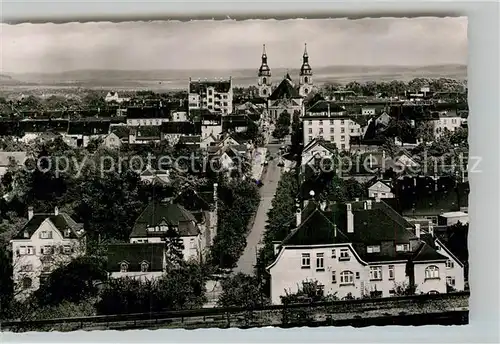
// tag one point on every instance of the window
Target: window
(391, 272)
(225, 103)
(192, 244)
(453, 121)
(373, 249)
(123, 267)
(402, 247)
(357, 275)
(332, 138)
(310, 131)
(342, 146)
(331, 122)
(46, 235)
(321, 130)
(47, 250)
(334, 253)
(352, 130)
(320, 260)
(310, 138)
(383, 194)
(342, 138)
(450, 281)
(144, 267)
(449, 264)
(342, 122)
(334, 277)
(310, 122)
(346, 277)
(432, 272)
(67, 249)
(342, 130)
(344, 254)
(375, 273)
(306, 260)
(224, 96)
(27, 268)
(331, 130)
(320, 122)
(210, 92)
(27, 282)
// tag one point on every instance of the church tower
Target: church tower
(305, 78)
(264, 83)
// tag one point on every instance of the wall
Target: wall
(333, 130)
(35, 261)
(457, 271)
(380, 190)
(427, 285)
(288, 274)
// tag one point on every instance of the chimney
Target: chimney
(56, 210)
(322, 205)
(350, 219)
(369, 204)
(30, 213)
(417, 230)
(298, 214)
(356, 199)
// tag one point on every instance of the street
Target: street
(271, 178)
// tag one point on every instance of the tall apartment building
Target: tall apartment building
(328, 121)
(214, 95)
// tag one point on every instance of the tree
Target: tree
(425, 131)
(173, 247)
(6, 283)
(73, 282)
(242, 290)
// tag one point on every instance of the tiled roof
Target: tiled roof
(134, 255)
(285, 90)
(222, 86)
(62, 222)
(148, 112)
(193, 201)
(427, 252)
(169, 213)
(121, 131)
(186, 140)
(85, 127)
(322, 106)
(371, 227)
(186, 128)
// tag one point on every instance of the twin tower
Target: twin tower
(305, 76)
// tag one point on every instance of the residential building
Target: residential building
(172, 131)
(44, 243)
(112, 141)
(317, 149)
(148, 116)
(81, 132)
(356, 249)
(196, 229)
(329, 121)
(114, 97)
(138, 261)
(214, 95)
(452, 217)
(448, 121)
(381, 189)
(368, 111)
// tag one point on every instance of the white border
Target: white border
(484, 91)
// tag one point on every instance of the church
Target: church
(286, 96)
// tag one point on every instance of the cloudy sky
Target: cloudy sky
(231, 44)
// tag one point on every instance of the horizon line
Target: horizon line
(235, 68)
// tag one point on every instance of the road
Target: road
(271, 178)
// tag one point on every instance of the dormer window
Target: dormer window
(144, 266)
(373, 249)
(26, 235)
(67, 232)
(123, 267)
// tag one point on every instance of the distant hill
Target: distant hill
(171, 79)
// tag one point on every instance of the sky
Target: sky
(229, 44)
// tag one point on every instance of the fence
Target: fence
(416, 310)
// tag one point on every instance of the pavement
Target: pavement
(259, 158)
(270, 179)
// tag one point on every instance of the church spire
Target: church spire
(264, 69)
(306, 68)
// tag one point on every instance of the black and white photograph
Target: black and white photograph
(234, 174)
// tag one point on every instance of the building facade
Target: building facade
(44, 243)
(330, 122)
(214, 95)
(358, 249)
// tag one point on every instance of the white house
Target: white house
(330, 122)
(455, 270)
(381, 189)
(143, 261)
(114, 97)
(45, 242)
(448, 121)
(317, 149)
(355, 249)
(112, 141)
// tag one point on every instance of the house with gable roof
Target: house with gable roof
(355, 249)
(46, 241)
(317, 149)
